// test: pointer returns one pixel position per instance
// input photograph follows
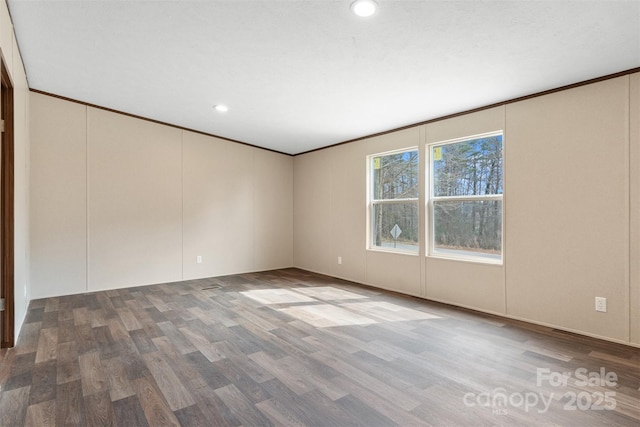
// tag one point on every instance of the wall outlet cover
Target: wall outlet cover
(601, 304)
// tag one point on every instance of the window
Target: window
(465, 200)
(393, 201)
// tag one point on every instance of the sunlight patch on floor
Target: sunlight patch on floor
(276, 296)
(325, 315)
(329, 293)
(387, 311)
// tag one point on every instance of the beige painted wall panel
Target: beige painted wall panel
(58, 204)
(218, 206)
(396, 272)
(272, 210)
(135, 209)
(238, 208)
(466, 125)
(406, 138)
(312, 234)
(21, 189)
(348, 211)
(635, 208)
(567, 208)
(470, 284)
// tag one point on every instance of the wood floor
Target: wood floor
(289, 347)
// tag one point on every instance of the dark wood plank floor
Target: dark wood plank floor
(289, 347)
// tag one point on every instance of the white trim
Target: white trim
(397, 251)
(479, 259)
(391, 152)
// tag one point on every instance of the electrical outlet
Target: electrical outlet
(339, 260)
(199, 259)
(601, 304)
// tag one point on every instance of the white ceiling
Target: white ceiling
(300, 74)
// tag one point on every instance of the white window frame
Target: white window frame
(371, 202)
(430, 199)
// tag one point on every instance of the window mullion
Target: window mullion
(467, 198)
(394, 201)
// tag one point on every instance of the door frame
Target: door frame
(7, 209)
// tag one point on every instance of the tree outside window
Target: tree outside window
(394, 186)
(465, 203)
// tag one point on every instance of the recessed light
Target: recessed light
(221, 108)
(364, 8)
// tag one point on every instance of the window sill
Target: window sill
(394, 251)
(471, 259)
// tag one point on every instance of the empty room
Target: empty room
(319, 213)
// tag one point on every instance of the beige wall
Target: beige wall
(571, 203)
(312, 204)
(273, 207)
(567, 221)
(218, 222)
(134, 192)
(11, 57)
(117, 201)
(634, 163)
(58, 197)
(238, 214)
(568, 214)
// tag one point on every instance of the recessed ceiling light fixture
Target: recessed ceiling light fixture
(364, 8)
(221, 108)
